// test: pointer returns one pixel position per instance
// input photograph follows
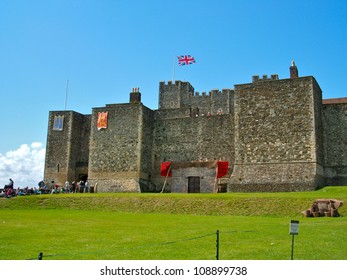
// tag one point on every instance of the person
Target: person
(67, 186)
(55, 189)
(86, 186)
(10, 185)
(73, 187)
(77, 187)
(19, 192)
(81, 186)
(43, 189)
(41, 186)
(9, 193)
(37, 191)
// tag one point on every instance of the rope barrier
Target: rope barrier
(41, 255)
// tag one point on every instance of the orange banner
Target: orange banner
(102, 120)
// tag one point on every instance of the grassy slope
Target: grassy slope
(169, 226)
(236, 204)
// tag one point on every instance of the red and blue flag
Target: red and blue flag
(185, 60)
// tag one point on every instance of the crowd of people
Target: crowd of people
(51, 188)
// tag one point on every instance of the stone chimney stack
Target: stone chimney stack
(135, 96)
(293, 71)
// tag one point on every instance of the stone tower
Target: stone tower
(120, 153)
(278, 136)
(67, 149)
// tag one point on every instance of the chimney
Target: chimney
(293, 71)
(135, 96)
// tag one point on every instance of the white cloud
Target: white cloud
(25, 165)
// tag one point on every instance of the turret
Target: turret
(174, 94)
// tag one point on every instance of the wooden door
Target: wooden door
(193, 184)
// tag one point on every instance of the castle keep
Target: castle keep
(268, 135)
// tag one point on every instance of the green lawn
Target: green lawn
(170, 226)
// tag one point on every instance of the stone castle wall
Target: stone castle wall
(275, 142)
(202, 138)
(146, 148)
(67, 150)
(335, 143)
(114, 151)
(275, 134)
(318, 123)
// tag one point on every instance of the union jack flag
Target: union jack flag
(185, 60)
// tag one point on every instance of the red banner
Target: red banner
(165, 169)
(222, 168)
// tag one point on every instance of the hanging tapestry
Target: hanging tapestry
(58, 123)
(102, 120)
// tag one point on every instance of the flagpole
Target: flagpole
(173, 69)
(67, 88)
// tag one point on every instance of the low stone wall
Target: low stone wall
(115, 185)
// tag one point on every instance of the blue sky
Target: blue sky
(105, 48)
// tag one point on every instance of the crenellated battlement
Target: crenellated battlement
(178, 95)
(169, 83)
(256, 78)
(213, 92)
(195, 94)
(174, 83)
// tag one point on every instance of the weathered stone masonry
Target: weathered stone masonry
(276, 134)
(67, 151)
(335, 139)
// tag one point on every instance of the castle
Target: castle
(268, 135)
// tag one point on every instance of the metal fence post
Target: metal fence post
(292, 257)
(217, 245)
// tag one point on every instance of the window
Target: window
(58, 123)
